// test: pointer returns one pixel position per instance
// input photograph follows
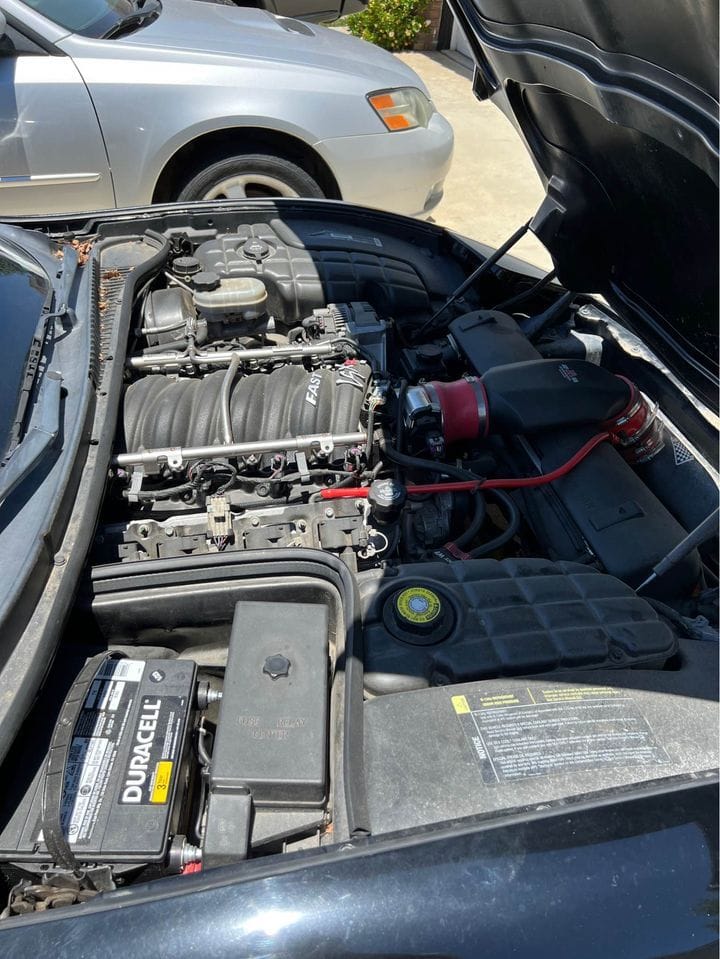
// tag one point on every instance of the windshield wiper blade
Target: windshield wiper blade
(150, 10)
(40, 436)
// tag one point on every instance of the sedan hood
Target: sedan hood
(617, 105)
(217, 30)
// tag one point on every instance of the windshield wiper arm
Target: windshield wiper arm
(40, 436)
(148, 11)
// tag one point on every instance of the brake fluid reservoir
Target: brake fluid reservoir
(230, 297)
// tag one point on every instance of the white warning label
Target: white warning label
(539, 732)
(94, 747)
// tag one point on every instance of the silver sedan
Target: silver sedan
(108, 103)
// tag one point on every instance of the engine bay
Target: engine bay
(372, 497)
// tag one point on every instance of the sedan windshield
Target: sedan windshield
(90, 18)
(24, 289)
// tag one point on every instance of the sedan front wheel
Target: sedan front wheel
(252, 175)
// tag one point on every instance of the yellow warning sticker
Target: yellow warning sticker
(460, 704)
(418, 604)
(161, 786)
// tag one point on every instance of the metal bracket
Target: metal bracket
(175, 458)
(302, 465)
(326, 444)
(136, 480)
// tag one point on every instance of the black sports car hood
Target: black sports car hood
(617, 104)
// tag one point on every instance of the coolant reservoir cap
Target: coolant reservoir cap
(419, 615)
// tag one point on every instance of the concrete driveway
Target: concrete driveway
(492, 187)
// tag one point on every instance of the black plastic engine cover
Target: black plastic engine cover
(288, 402)
(508, 618)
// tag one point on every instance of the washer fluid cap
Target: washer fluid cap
(419, 615)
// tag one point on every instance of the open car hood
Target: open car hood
(617, 104)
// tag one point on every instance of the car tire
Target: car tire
(251, 175)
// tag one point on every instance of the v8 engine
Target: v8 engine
(378, 513)
(259, 414)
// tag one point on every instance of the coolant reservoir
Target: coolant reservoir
(230, 297)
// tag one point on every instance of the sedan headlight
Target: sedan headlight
(402, 109)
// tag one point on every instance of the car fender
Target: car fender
(165, 103)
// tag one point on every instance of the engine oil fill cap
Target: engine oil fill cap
(419, 615)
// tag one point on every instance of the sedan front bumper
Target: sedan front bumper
(401, 172)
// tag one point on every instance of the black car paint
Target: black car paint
(633, 876)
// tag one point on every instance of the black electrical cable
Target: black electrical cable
(393, 542)
(477, 521)
(345, 481)
(513, 516)
(400, 423)
(431, 466)
(448, 469)
(213, 467)
(399, 420)
(526, 294)
(359, 351)
(292, 477)
(167, 493)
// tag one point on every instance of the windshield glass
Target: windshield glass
(91, 18)
(24, 288)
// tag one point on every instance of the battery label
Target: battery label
(539, 732)
(155, 744)
(161, 785)
(94, 748)
(130, 669)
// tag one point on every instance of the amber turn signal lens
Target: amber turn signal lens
(402, 109)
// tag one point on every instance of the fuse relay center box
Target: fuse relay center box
(272, 734)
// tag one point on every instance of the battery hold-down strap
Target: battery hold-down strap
(56, 842)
